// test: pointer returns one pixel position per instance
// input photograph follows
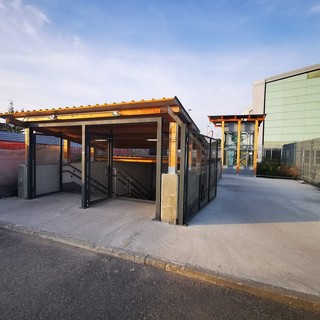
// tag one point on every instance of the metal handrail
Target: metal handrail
(90, 183)
(94, 180)
(139, 184)
(133, 191)
(138, 188)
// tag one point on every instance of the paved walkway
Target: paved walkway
(262, 230)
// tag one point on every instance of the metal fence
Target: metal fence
(200, 174)
(301, 158)
(305, 155)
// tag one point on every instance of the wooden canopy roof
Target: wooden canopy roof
(121, 120)
(218, 119)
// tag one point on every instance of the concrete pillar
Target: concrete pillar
(170, 181)
(169, 198)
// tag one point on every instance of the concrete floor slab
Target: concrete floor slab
(265, 230)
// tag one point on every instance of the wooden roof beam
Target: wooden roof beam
(173, 116)
(89, 116)
(107, 107)
(15, 122)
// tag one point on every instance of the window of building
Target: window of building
(316, 156)
(306, 156)
(276, 154)
(268, 154)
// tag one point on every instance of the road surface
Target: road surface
(41, 279)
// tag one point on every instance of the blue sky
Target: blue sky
(56, 53)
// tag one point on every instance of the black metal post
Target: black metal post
(84, 168)
(209, 173)
(186, 178)
(216, 170)
(158, 169)
(110, 166)
(60, 163)
(34, 165)
(30, 141)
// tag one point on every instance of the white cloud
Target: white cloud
(29, 29)
(208, 84)
(18, 21)
(2, 6)
(76, 41)
(15, 4)
(315, 9)
(38, 15)
(41, 70)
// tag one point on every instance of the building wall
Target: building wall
(9, 163)
(258, 108)
(258, 96)
(47, 178)
(292, 106)
(305, 155)
(308, 160)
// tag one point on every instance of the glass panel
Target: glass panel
(99, 168)
(47, 169)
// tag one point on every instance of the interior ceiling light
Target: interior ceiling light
(100, 140)
(116, 113)
(151, 140)
(53, 117)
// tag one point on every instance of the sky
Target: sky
(58, 53)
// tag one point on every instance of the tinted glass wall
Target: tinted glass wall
(292, 106)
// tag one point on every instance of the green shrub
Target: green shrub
(277, 168)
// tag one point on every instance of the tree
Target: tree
(8, 126)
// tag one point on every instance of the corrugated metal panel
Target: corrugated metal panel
(47, 140)
(10, 145)
(19, 137)
(11, 136)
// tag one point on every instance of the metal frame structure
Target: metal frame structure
(239, 121)
(200, 166)
(160, 124)
(30, 133)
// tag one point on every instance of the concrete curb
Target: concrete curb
(282, 295)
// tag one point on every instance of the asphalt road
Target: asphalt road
(41, 279)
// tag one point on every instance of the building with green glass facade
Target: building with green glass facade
(291, 102)
(291, 130)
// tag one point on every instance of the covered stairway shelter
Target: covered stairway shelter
(148, 149)
(239, 142)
